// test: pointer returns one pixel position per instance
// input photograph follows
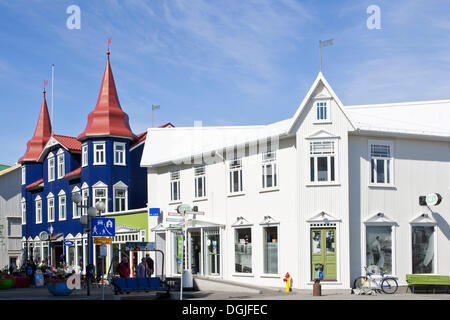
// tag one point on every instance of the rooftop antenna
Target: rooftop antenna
(158, 107)
(322, 44)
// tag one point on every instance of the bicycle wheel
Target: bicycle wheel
(359, 282)
(389, 285)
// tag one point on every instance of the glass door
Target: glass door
(323, 252)
(212, 252)
(194, 251)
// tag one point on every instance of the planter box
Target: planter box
(58, 288)
(6, 283)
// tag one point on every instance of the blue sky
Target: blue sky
(222, 62)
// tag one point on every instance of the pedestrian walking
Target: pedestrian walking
(150, 265)
(124, 268)
(142, 269)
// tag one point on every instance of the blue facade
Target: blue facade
(102, 182)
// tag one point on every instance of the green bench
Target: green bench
(427, 280)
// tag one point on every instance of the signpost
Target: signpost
(154, 212)
(102, 240)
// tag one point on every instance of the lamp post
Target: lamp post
(86, 221)
(50, 230)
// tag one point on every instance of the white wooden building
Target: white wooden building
(337, 186)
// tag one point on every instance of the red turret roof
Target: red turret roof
(41, 135)
(108, 118)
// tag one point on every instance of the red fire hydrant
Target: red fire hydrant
(287, 279)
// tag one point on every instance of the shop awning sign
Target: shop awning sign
(103, 227)
(102, 240)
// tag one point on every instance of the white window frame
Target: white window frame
(199, 175)
(235, 165)
(51, 169)
(123, 153)
(62, 206)
(98, 153)
(267, 161)
(75, 214)
(174, 177)
(23, 203)
(84, 199)
(84, 155)
(393, 242)
(38, 209)
(120, 186)
(326, 106)
(269, 225)
(435, 244)
(24, 180)
(50, 197)
(236, 273)
(61, 163)
(391, 158)
(315, 156)
(100, 186)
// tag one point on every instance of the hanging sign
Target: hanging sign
(102, 240)
(433, 199)
(182, 208)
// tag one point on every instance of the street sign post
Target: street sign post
(103, 227)
(154, 212)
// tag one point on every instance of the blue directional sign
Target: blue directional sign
(103, 227)
(68, 243)
(154, 212)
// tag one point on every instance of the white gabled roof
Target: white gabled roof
(427, 118)
(179, 143)
(431, 118)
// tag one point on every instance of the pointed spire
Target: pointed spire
(42, 134)
(107, 118)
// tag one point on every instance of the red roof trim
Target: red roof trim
(35, 184)
(73, 174)
(70, 143)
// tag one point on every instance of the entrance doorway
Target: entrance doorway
(195, 250)
(57, 254)
(323, 251)
(212, 252)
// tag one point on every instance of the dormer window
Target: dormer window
(51, 167)
(99, 153)
(61, 168)
(322, 111)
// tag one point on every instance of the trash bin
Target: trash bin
(187, 279)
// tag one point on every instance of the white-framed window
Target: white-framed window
(84, 199)
(119, 153)
(61, 168)
(76, 209)
(200, 182)
(100, 194)
(175, 186)
(269, 170)
(235, 174)
(379, 247)
(120, 190)
(23, 175)
(270, 249)
(423, 246)
(323, 161)
(51, 167)
(84, 155)
(50, 208)
(243, 250)
(322, 111)
(24, 210)
(38, 209)
(99, 153)
(381, 162)
(62, 206)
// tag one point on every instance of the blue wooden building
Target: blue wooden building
(101, 164)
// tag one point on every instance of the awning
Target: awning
(56, 236)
